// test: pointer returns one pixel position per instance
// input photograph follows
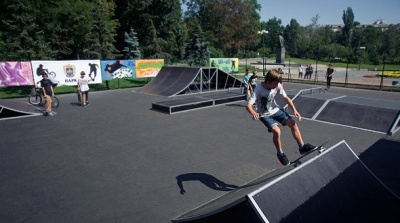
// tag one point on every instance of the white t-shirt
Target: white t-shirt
(265, 99)
(83, 83)
(301, 69)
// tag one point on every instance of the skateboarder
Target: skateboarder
(269, 113)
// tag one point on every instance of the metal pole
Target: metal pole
(262, 32)
(245, 53)
(383, 70)
(263, 55)
(289, 75)
(346, 79)
(316, 72)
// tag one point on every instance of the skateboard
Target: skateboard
(79, 96)
(319, 148)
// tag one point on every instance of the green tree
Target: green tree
(102, 31)
(274, 28)
(348, 20)
(197, 53)
(155, 20)
(390, 49)
(21, 37)
(132, 50)
(65, 22)
(153, 46)
(292, 36)
(230, 25)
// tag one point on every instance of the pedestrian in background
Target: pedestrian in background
(83, 89)
(301, 71)
(328, 76)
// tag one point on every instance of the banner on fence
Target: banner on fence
(15, 74)
(67, 72)
(148, 68)
(117, 69)
(228, 65)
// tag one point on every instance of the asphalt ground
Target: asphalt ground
(117, 160)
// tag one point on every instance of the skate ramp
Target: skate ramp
(17, 109)
(372, 114)
(171, 81)
(332, 187)
(382, 116)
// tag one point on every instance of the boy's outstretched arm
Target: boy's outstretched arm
(291, 105)
(254, 114)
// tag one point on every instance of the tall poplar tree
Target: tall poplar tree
(348, 20)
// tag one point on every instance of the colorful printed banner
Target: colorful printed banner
(228, 65)
(15, 74)
(67, 72)
(115, 69)
(148, 68)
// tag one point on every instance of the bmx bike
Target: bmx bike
(36, 98)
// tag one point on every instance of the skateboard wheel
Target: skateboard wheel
(297, 163)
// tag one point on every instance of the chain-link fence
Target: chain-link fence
(383, 79)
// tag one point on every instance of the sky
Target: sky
(330, 11)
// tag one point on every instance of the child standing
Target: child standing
(83, 89)
(246, 78)
(253, 81)
(48, 93)
(269, 113)
(328, 76)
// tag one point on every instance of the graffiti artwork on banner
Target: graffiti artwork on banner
(15, 74)
(148, 68)
(67, 72)
(117, 69)
(228, 65)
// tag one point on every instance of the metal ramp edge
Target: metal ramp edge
(336, 162)
(16, 109)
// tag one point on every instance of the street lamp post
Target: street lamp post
(359, 61)
(262, 32)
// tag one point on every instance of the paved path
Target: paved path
(117, 160)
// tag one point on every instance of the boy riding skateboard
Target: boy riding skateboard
(269, 113)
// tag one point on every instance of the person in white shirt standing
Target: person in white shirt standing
(83, 89)
(301, 71)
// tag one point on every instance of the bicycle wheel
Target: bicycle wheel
(53, 74)
(35, 99)
(54, 102)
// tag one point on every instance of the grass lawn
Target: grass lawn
(24, 91)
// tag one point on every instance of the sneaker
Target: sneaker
(50, 113)
(282, 158)
(306, 148)
(87, 103)
(53, 112)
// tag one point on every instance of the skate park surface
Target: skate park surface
(118, 160)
